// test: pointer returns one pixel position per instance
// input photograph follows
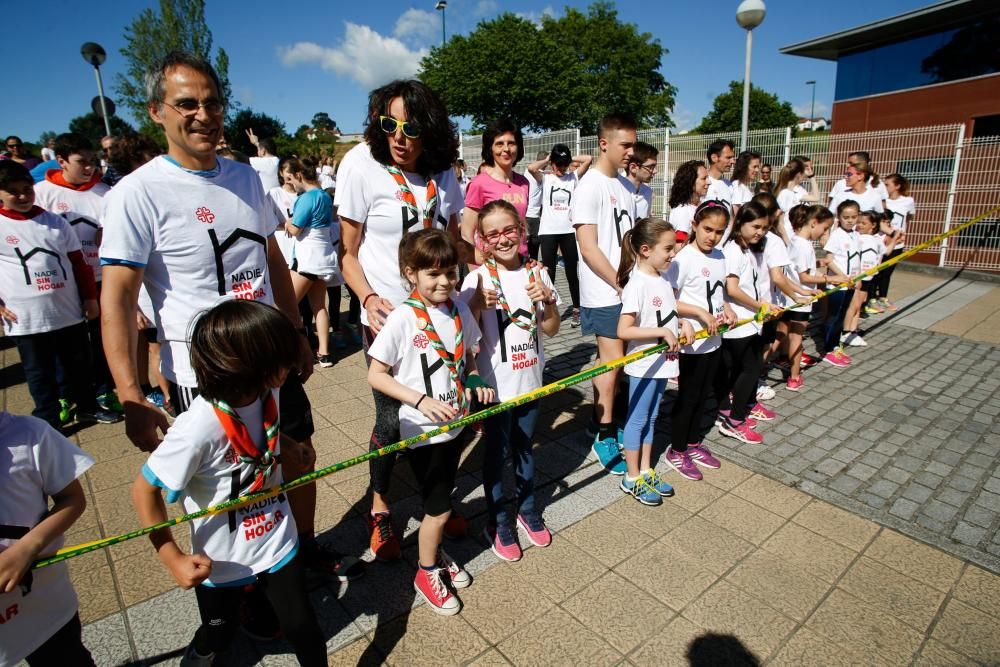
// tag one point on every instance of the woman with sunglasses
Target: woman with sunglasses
(856, 189)
(18, 153)
(503, 147)
(398, 180)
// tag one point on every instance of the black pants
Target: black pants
(697, 375)
(286, 591)
(69, 347)
(435, 467)
(742, 360)
(385, 432)
(532, 236)
(566, 245)
(882, 279)
(65, 647)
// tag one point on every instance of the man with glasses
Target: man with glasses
(18, 153)
(641, 170)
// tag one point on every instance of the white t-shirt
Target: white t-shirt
(651, 298)
(82, 209)
(314, 250)
(682, 217)
(557, 195)
(199, 238)
(534, 197)
(841, 186)
(901, 208)
(845, 250)
(198, 467)
(369, 195)
(869, 200)
(607, 203)
(415, 364)
(508, 358)
(803, 257)
(748, 267)
(284, 201)
(38, 462)
(776, 256)
(48, 154)
(719, 189)
(36, 277)
(741, 193)
(870, 249)
(699, 279)
(267, 168)
(643, 201)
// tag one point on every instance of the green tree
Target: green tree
(91, 125)
(322, 121)
(766, 111)
(264, 126)
(567, 73)
(179, 25)
(44, 139)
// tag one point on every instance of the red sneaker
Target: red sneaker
(794, 384)
(383, 544)
(431, 587)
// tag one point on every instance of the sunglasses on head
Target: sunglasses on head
(389, 125)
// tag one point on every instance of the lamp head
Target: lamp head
(441, 4)
(93, 53)
(750, 14)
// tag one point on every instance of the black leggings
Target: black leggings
(385, 432)
(697, 375)
(286, 591)
(65, 647)
(882, 279)
(566, 244)
(742, 360)
(353, 312)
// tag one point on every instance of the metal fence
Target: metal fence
(953, 177)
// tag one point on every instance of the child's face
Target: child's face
(434, 285)
(18, 196)
(818, 229)
(709, 231)
(753, 231)
(79, 168)
(890, 186)
(502, 235)
(866, 225)
(849, 218)
(660, 255)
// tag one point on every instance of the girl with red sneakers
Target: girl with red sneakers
(423, 358)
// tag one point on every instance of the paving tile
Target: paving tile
(499, 602)
(491, 658)
(692, 496)
(110, 474)
(789, 589)
(728, 477)
(670, 645)
(607, 538)
(847, 621)
(96, 591)
(152, 636)
(969, 631)
(557, 639)
(979, 588)
(742, 518)
(840, 526)
(880, 586)
(917, 561)
(609, 606)
(107, 641)
(806, 648)
(725, 609)
(142, 577)
(647, 567)
(425, 638)
(653, 521)
(771, 495)
(384, 593)
(361, 653)
(936, 654)
(559, 570)
(712, 547)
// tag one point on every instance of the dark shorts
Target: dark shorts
(865, 286)
(308, 276)
(601, 321)
(795, 316)
(769, 332)
(435, 468)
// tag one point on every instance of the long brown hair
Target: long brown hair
(646, 232)
(788, 174)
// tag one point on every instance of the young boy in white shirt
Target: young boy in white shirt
(641, 170)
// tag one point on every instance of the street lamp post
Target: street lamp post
(440, 6)
(749, 15)
(812, 109)
(94, 54)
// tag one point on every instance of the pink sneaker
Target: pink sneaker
(761, 413)
(794, 384)
(682, 463)
(534, 526)
(724, 415)
(503, 542)
(741, 431)
(700, 455)
(431, 587)
(843, 356)
(837, 359)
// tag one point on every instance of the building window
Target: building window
(927, 170)
(986, 126)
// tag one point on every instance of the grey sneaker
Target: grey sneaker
(99, 415)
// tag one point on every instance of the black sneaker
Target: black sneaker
(329, 561)
(325, 361)
(100, 416)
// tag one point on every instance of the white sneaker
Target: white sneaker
(459, 577)
(764, 391)
(854, 340)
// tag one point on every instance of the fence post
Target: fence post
(952, 187)
(577, 141)
(788, 145)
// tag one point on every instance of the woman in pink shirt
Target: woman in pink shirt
(503, 147)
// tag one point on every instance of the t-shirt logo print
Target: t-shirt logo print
(62, 206)
(420, 341)
(204, 214)
(657, 302)
(13, 240)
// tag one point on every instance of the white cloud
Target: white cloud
(536, 17)
(684, 119)
(367, 57)
(245, 95)
(822, 109)
(418, 27)
(486, 7)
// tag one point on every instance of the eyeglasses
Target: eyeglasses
(651, 168)
(14, 145)
(848, 174)
(189, 108)
(513, 233)
(389, 125)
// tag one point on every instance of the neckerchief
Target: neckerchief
(455, 363)
(410, 200)
(531, 325)
(243, 444)
(56, 176)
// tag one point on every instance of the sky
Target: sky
(291, 61)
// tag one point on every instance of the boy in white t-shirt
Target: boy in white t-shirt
(603, 209)
(47, 293)
(75, 192)
(641, 170)
(225, 446)
(41, 623)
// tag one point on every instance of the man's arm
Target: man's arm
(585, 161)
(586, 236)
(535, 169)
(284, 299)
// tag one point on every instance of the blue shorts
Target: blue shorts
(601, 321)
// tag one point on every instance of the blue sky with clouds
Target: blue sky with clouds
(293, 60)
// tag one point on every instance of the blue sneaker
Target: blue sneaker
(640, 489)
(156, 398)
(658, 483)
(608, 453)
